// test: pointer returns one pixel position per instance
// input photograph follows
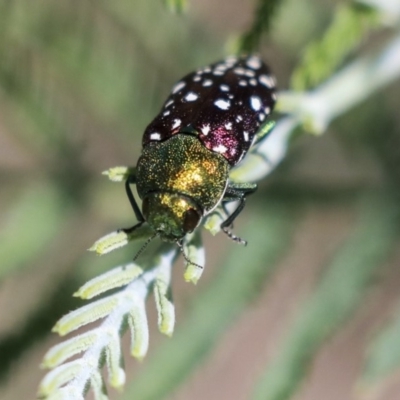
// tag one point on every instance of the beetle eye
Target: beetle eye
(191, 219)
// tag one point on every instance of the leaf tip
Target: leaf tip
(192, 274)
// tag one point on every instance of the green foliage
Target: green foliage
(32, 223)
(264, 15)
(177, 6)
(383, 357)
(351, 24)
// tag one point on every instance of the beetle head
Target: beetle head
(171, 215)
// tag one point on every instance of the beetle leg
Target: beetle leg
(226, 211)
(263, 132)
(139, 216)
(236, 192)
(260, 136)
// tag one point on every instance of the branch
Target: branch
(349, 87)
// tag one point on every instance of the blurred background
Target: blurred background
(79, 82)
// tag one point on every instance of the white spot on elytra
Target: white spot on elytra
(239, 71)
(197, 78)
(155, 136)
(231, 96)
(228, 126)
(239, 118)
(169, 103)
(224, 88)
(254, 62)
(191, 96)
(208, 69)
(249, 73)
(222, 104)
(218, 72)
(220, 148)
(205, 130)
(207, 82)
(255, 103)
(221, 67)
(177, 122)
(178, 87)
(246, 136)
(261, 117)
(267, 81)
(273, 95)
(267, 110)
(242, 83)
(166, 113)
(253, 82)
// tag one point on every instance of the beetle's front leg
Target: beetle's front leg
(263, 132)
(131, 179)
(236, 192)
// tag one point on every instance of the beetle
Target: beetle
(205, 127)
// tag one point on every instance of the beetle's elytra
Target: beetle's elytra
(204, 128)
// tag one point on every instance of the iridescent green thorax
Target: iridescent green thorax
(180, 181)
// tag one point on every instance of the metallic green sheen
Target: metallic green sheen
(180, 181)
(182, 164)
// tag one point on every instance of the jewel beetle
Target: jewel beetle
(205, 127)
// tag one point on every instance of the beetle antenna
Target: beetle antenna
(145, 244)
(179, 243)
(233, 237)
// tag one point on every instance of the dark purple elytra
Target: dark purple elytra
(224, 104)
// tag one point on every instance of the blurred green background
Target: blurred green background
(316, 319)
